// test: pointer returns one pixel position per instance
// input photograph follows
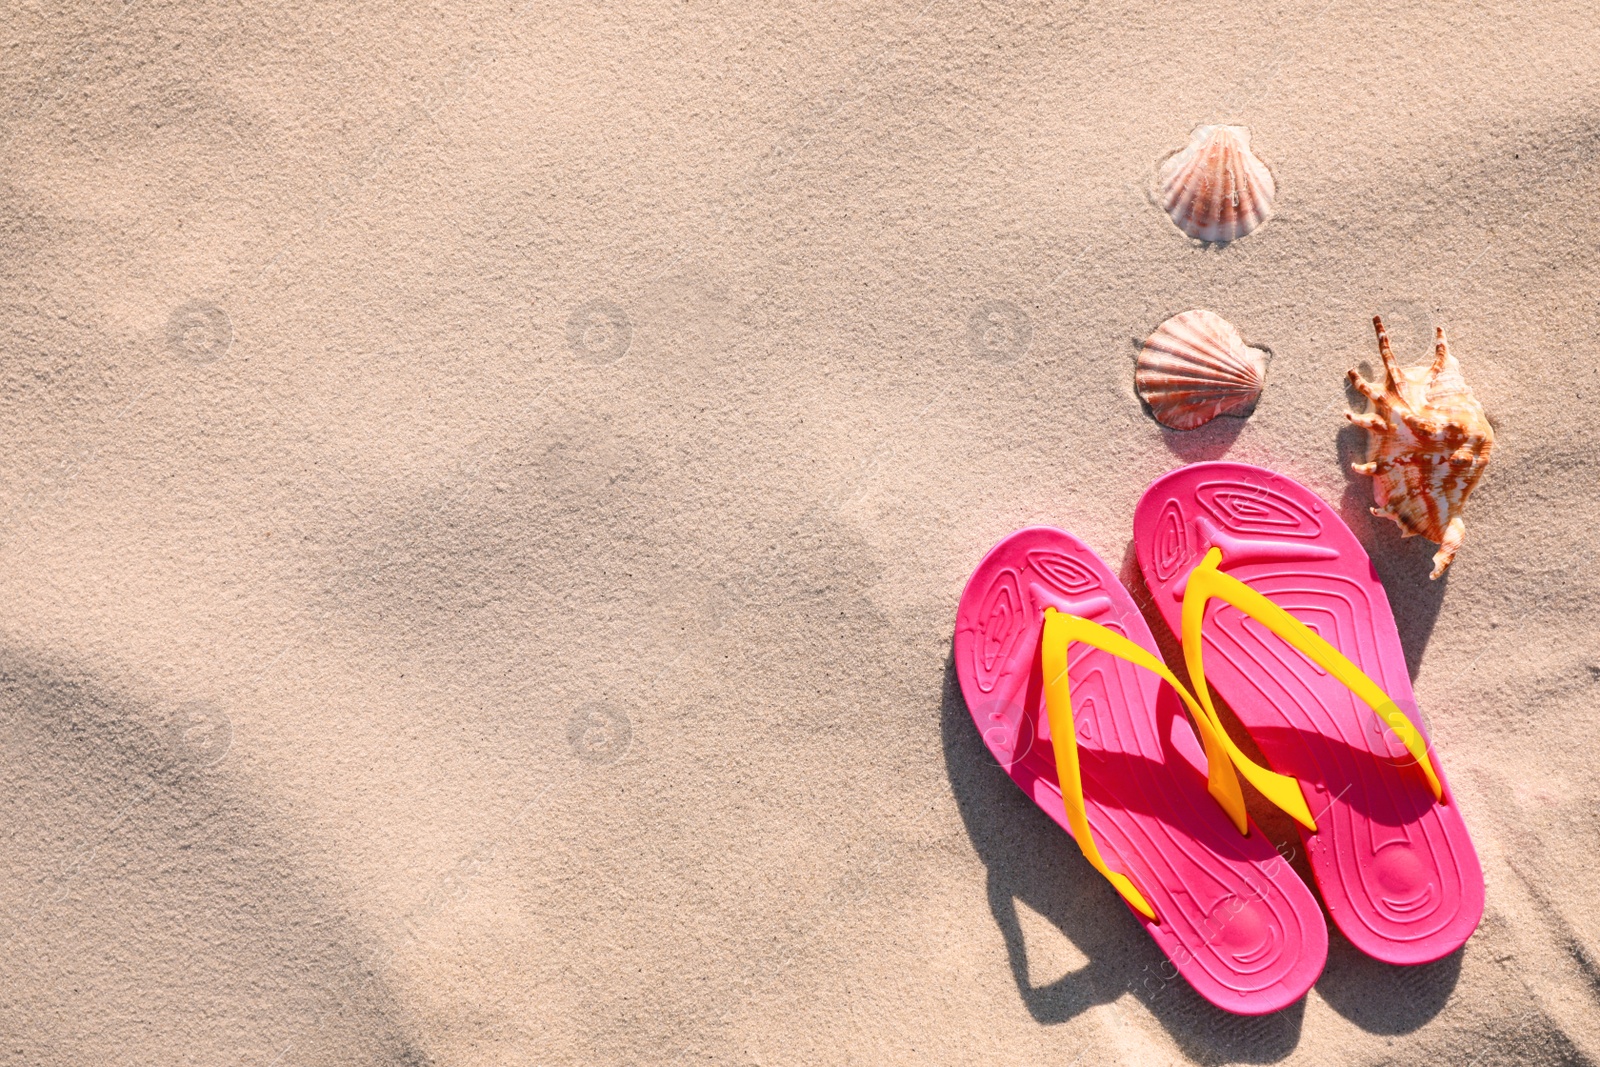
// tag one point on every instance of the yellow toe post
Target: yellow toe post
(1059, 631)
(1205, 582)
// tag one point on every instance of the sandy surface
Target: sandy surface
(486, 489)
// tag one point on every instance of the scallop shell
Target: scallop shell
(1430, 444)
(1216, 189)
(1196, 367)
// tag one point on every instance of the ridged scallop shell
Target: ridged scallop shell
(1196, 367)
(1216, 189)
(1430, 444)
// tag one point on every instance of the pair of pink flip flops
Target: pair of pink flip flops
(1281, 613)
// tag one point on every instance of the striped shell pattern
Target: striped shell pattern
(1430, 443)
(1196, 367)
(1215, 188)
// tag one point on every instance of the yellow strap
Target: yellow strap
(1205, 582)
(1059, 631)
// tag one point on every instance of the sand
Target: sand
(486, 489)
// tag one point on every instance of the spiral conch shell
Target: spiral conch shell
(1215, 188)
(1430, 443)
(1196, 367)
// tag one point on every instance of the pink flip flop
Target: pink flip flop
(1298, 638)
(1230, 913)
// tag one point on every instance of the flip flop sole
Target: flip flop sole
(1396, 869)
(1235, 919)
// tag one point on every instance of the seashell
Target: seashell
(1196, 367)
(1216, 189)
(1430, 444)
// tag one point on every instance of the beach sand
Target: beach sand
(487, 488)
